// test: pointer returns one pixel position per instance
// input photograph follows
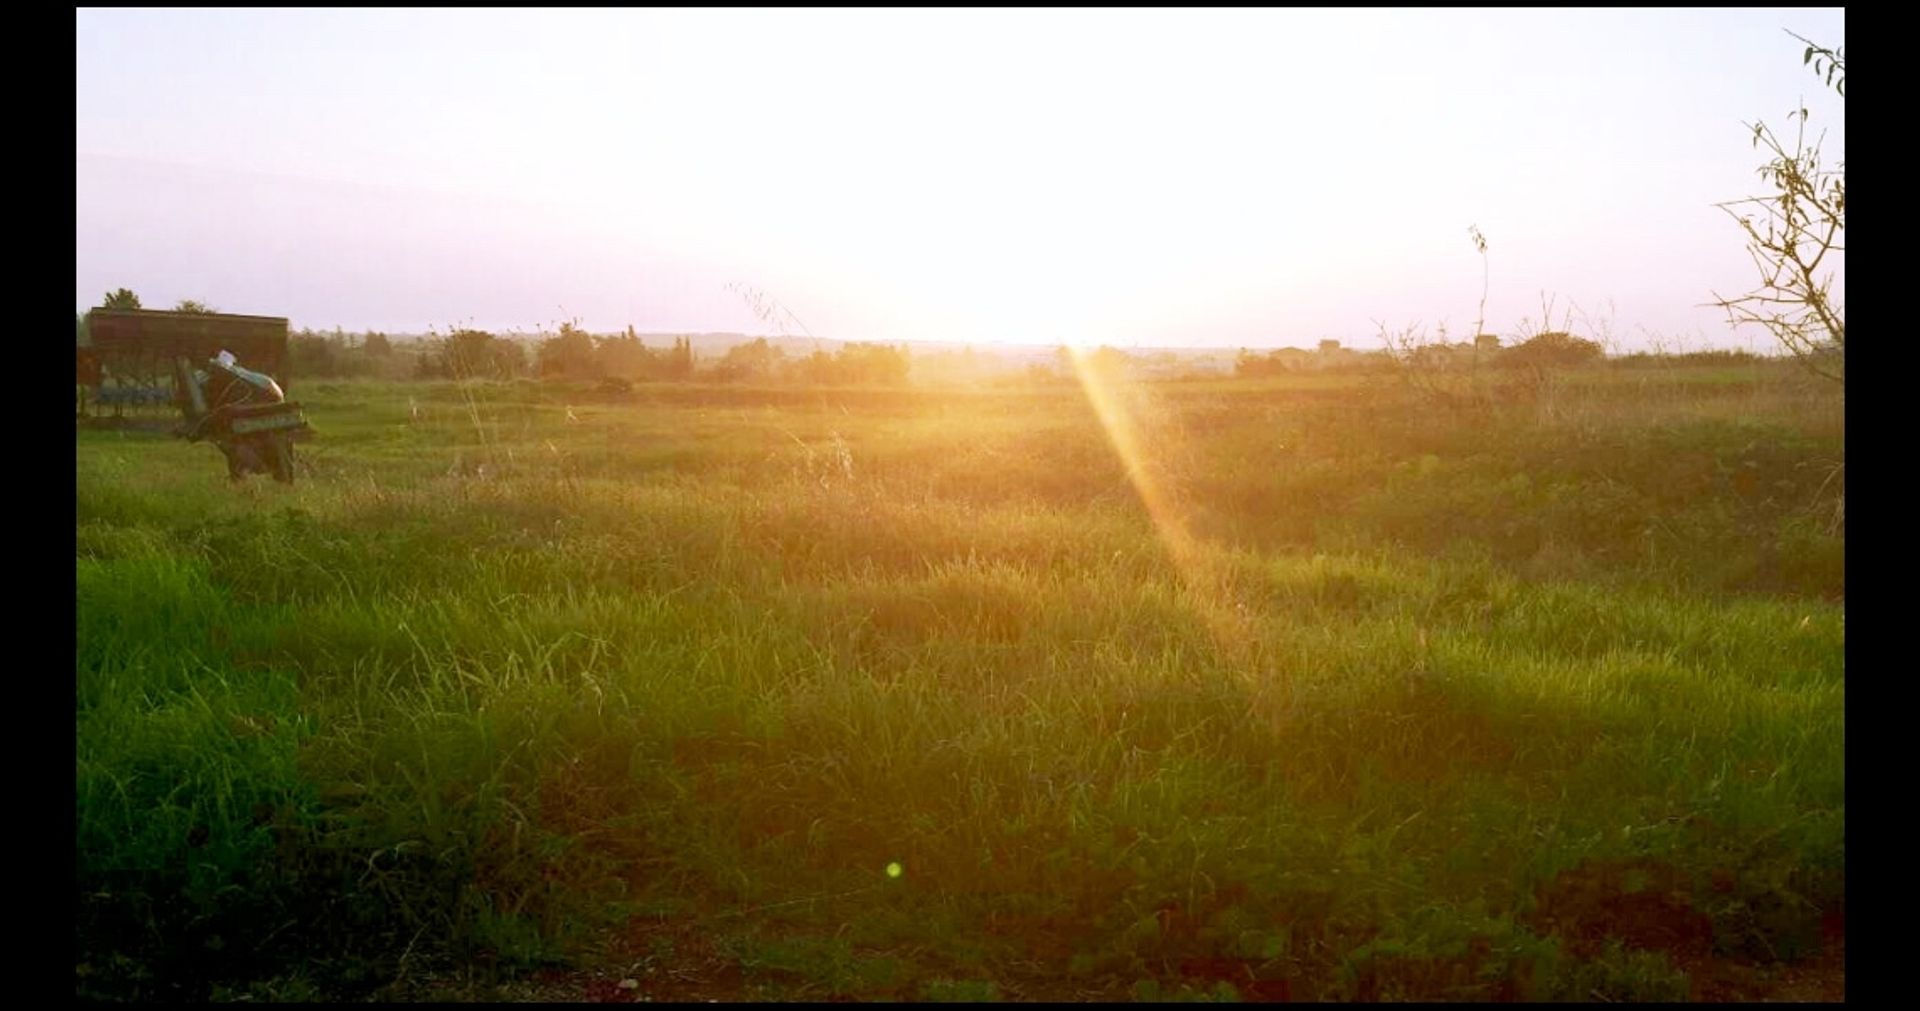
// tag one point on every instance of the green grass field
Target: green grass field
(527, 690)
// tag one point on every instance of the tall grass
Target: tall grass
(712, 659)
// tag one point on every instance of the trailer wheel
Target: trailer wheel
(280, 457)
(240, 459)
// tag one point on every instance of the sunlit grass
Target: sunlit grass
(498, 694)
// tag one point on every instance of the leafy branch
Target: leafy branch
(1793, 236)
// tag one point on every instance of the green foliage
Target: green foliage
(1623, 974)
(474, 354)
(1828, 62)
(858, 365)
(1793, 233)
(121, 299)
(571, 353)
(627, 357)
(1719, 358)
(312, 354)
(707, 663)
(1150, 991)
(575, 354)
(855, 364)
(340, 355)
(1552, 350)
(755, 361)
(679, 363)
(194, 306)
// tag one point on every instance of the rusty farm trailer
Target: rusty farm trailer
(124, 358)
(187, 367)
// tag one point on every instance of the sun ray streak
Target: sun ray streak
(1198, 569)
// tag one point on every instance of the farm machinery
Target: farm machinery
(243, 413)
(134, 360)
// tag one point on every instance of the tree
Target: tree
(873, 364)
(1791, 232)
(817, 368)
(122, 299)
(754, 360)
(680, 364)
(626, 356)
(192, 305)
(569, 354)
(475, 353)
(311, 354)
(377, 345)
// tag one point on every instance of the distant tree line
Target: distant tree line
(574, 354)
(1554, 349)
(851, 365)
(341, 355)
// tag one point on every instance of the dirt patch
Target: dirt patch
(1645, 904)
(1648, 905)
(1256, 982)
(1819, 979)
(1638, 904)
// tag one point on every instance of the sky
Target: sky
(1225, 178)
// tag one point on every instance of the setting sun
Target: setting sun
(1225, 178)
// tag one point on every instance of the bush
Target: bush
(470, 354)
(571, 354)
(1556, 349)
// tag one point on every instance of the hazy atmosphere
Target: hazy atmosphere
(1225, 178)
(960, 506)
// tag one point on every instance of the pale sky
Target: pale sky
(1170, 178)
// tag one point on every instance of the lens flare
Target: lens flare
(1123, 431)
(1197, 568)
